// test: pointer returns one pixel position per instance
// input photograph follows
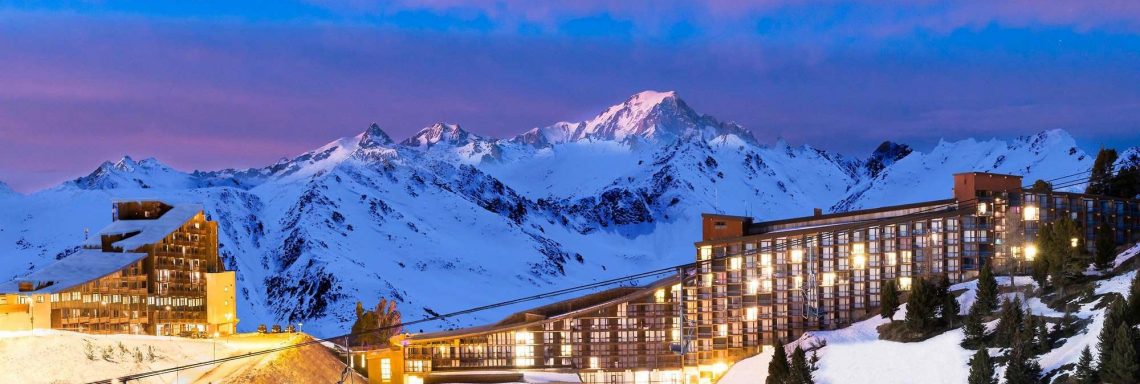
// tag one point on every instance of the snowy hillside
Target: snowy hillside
(853, 351)
(365, 217)
(68, 357)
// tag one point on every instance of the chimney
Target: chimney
(817, 212)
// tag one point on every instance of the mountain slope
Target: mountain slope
(365, 217)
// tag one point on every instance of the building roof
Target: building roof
(555, 311)
(79, 268)
(146, 231)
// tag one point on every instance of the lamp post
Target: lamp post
(215, 345)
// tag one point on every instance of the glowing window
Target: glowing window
(904, 283)
(1031, 213)
(386, 370)
(797, 255)
(750, 314)
(734, 263)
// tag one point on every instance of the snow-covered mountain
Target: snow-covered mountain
(5, 190)
(365, 217)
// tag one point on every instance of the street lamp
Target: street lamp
(299, 325)
(1074, 241)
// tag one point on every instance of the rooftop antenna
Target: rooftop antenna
(86, 233)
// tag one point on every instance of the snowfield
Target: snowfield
(856, 355)
(68, 357)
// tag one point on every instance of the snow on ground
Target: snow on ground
(1127, 254)
(67, 357)
(856, 355)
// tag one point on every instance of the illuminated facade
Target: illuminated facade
(759, 282)
(154, 270)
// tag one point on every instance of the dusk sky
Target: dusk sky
(213, 84)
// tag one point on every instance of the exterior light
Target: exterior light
(718, 368)
(1075, 242)
(983, 209)
(1030, 252)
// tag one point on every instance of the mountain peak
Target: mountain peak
(886, 154)
(440, 133)
(653, 116)
(5, 189)
(374, 137)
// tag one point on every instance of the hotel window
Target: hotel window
(828, 279)
(734, 263)
(753, 286)
(750, 314)
(765, 259)
(706, 252)
(797, 255)
(904, 283)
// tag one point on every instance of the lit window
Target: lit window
(858, 261)
(797, 255)
(750, 314)
(706, 252)
(722, 329)
(593, 362)
(904, 283)
(983, 209)
(660, 295)
(753, 286)
(641, 377)
(766, 285)
(797, 282)
(828, 279)
(892, 259)
(734, 263)
(1032, 213)
(765, 259)
(386, 370)
(858, 249)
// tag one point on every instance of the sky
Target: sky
(217, 84)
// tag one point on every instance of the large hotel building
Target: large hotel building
(754, 283)
(154, 270)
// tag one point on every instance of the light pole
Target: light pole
(215, 345)
(299, 325)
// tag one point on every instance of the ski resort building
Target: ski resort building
(757, 282)
(154, 270)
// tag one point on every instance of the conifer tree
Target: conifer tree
(1009, 323)
(973, 328)
(1086, 373)
(1122, 365)
(987, 289)
(1044, 340)
(1132, 307)
(921, 306)
(1022, 368)
(1105, 246)
(889, 300)
(949, 306)
(1101, 177)
(1113, 318)
(778, 369)
(982, 368)
(1067, 324)
(800, 370)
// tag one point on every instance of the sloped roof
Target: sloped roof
(559, 310)
(148, 231)
(79, 268)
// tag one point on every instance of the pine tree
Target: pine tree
(973, 328)
(1105, 246)
(778, 369)
(1132, 307)
(1086, 373)
(1022, 368)
(800, 370)
(889, 300)
(1122, 365)
(1009, 323)
(949, 305)
(921, 306)
(1029, 334)
(1044, 341)
(982, 368)
(987, 289)
(1101, 177)
(1067, 324)
(1113, 318)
